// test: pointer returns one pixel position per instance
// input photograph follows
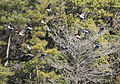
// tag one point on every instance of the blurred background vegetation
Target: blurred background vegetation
(20, 12)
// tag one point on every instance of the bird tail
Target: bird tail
(94, 49)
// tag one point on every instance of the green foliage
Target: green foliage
(3, 43)
(20, 12)
(4, 74)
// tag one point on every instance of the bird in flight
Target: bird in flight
(101, 30)
(9, 26)
(49, 7)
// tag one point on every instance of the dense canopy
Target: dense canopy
(60, 41)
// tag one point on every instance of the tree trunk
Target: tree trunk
(7, 53)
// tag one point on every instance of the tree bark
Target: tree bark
(7, 53)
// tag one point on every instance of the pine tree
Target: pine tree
(68, 41)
